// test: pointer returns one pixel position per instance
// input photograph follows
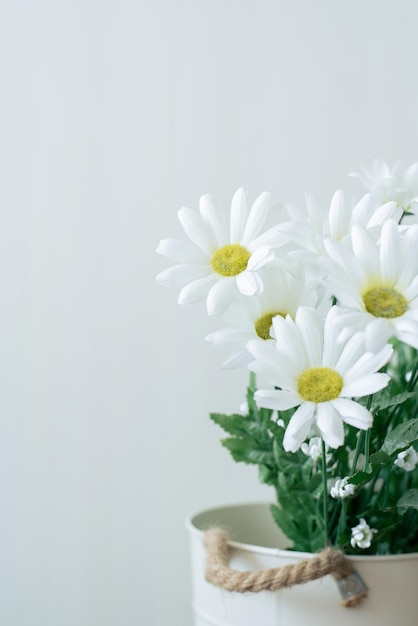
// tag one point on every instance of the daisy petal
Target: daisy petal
(390, 252)
(362, 210)
(227, 335)
(368, 363)
(338, 217)
(351, 323)
(242, 315)
(344, 259)
(181, 275)
(366, 385)
(330, 424)
(310, 327)
(256, 218)
(238, 216)
(332, 330)
(214, 219)
(299, 427)
(249, 283)
(409, 266)
(410, 340)
(260, 257)
(351, 352)
(378, 332)
(277, 399)
(197, 231)
(220, 295)
(353, 413)
(387, 211)
(365, 250)
(289, 342)
(411, 291)
(196, 291)
(181, 251)
(239, 358)
(276, 368)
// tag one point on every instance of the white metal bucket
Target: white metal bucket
(258, 544)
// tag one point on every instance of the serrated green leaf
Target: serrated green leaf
(232, 424)
(385, 400)
(401, 437)
(245, 451)
(409, 500)
(288, 527)
(266, 475)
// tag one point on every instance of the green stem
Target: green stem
(367, 440)
(252, 383)
(414, 376)
(343, 520)
(359, 448)
(367, 450)
(325, 489)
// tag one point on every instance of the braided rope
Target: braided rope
(218, 573)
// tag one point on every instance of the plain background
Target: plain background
(114, 114)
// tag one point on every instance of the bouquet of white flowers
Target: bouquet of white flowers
(321, 305)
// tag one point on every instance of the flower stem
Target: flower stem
(343, 520)
(367, 440)
(359, 447)
(367, 451)
(252, 382)
(413, 380)
(325, 489)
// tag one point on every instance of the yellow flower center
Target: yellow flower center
(230, 260)
(263, 324)
(319, 384)
(385, 302)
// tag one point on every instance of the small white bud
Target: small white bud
(407, 460)
(342, 488)
(362, 535)
(313, 448)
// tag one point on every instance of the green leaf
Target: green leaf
(359, 478)
(277, 452)
(285, 522)
(386, 400)
(246, 451)
(401, 437)
(378, 460)
(266, 475)
(315, 483)
(409, 500)
(232, 424)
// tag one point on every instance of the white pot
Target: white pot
(258, 544)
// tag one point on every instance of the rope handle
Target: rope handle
(329, 561)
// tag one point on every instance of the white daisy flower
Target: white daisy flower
(311, 225)
(362, 535)
(341, 488)
(395, 183)
(378, 283)
(251, 317)
(220, 260)
(407, 459)
(311, 370)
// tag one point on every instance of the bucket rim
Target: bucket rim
(291, 554)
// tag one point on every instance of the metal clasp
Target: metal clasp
(351, 586)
